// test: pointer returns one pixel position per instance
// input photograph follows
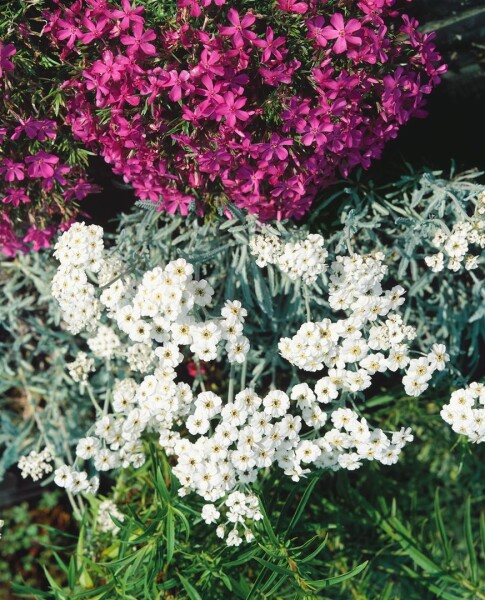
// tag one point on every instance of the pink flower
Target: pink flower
(128, 15)
(15, 196)
(270, 45)
(42, 130)
(67, 30)
(178, 202)
(275, 147)
(342, 33)
(95, 30)
(314, 131)
(108, 68)
(231, 109)
(5, 53)
(315, 31)
(41, 164)
(292, 6)
(40, 238)
(178, 82)
(140, 40)
(12, 170)
(239, 30)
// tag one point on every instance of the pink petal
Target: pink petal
(353, 25)
(340, 45)
(337, 21)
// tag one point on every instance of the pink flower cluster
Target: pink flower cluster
(260, 109)
(34, 182)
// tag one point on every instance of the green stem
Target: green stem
(244, 374)
(93, 399)
(230, 393)
(307, 303)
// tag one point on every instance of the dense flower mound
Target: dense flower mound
(37, 188)
(259, 104)
(156, 319)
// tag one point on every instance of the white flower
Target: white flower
(276, 403)
(210, 514)
(87, 447)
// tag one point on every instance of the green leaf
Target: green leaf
(445, 542)
(323, 583)
(170, 525)
(274, 568)
(189, 588)
(301, 506)
(472, 555)
(316, 552)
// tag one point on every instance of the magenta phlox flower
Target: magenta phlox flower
(140, 40)
(231, 109)
(179, 82)
(239, 30)
(297, 108)
(197, 5)
(342, 33)
(372, 10)
(289, 189)
(33, 128)
(208, 63)
(277, 76)
(194, 5)
(11, 170)
(375, 47)
(250, 178)
(80, 190)
(211, 92)
(41, 164)
(39, 238)
(67, 30)
(315, 31)
(98, 7)
(213, 161)
(236, 80)
(15, 196)
(177, 202)
(270, 45)
(6, 52)
(95, 30)
(108, 68)
(315, 130)
(125, 93)
(292, 6)
(128, 15)
(275, 147)
(147, 189)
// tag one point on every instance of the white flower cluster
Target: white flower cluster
(240, 509)
(81, 367)
(454, 246)
(78, 250)
(300, 260)
(36, 464)
(466, 412)
(353, 348)
(75, 481)
(105, 343)
(221, 445)
(105, 523)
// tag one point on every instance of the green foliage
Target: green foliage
(25, 535)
